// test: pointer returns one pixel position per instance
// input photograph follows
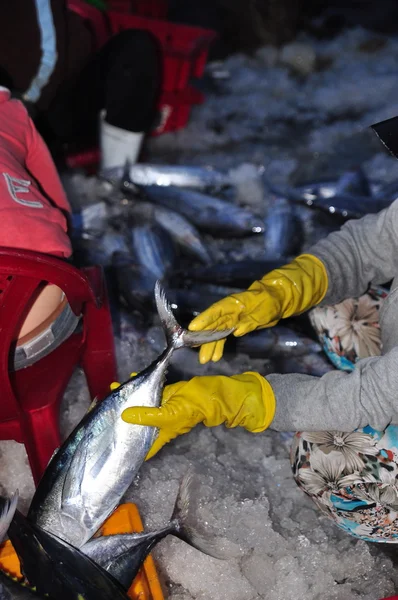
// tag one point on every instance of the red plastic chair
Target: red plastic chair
(30, 398)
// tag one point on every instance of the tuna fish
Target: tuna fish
(274, 341)
(353, 182)
(207, 213)
(239, 274)
(199, 178)
(56, 569)
(331, 200)
(152, 248)
(183, 233)
(194, 301)
(122, 555)
(134, 283)
(95, 466)
(178, 227)
(283, 231)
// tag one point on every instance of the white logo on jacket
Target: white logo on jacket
(20, 186)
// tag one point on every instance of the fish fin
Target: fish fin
(94, 403)
(386, 131)
(71, 489)
(177, 336)
(187, 527)
(86, 466)
(53, 454)
(7, 510)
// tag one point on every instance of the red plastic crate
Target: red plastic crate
(156, 9)
(185, 48)
(175, 109)
(123, 6)
(84, 159)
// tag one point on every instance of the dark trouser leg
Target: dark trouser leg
(124, 78)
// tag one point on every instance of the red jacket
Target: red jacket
(33, 204)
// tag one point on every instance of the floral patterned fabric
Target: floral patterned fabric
(351, 477)
(350, 330)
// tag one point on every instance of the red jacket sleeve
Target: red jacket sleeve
(41, 165)
(33, 204)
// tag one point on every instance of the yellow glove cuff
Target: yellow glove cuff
(269, 400)
(320, 277)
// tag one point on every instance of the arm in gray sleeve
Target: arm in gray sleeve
(363, 251)
(339, 401)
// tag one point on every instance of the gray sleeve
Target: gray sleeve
(363, 251)
(339, 401)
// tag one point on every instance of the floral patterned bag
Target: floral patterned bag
(351, 476)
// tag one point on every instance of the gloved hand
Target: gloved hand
(284, 292)
(246, 400)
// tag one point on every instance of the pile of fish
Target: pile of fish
(351, 197)
(185, 226)
(86, 480)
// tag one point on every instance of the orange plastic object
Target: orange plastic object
(125, 519)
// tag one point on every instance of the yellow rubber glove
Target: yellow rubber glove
(290, 290)
(242, 400)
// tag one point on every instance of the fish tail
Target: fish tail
(7, 510)
(177, 336)
(187, 527)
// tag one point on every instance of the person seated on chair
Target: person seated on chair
(71, 88)
(34, 216)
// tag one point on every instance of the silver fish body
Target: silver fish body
(152, 249)
(183, 232)
(99, 250)
(193, 302)
(330, 200)
(283, 231)
(354, 182)
(199, 178)
(207, 213)
(238, 274)
(88, 476)
(134, 283)
(275, 341)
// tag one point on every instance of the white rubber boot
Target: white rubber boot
(118, 146)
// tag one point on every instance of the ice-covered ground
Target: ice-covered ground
(297, 126)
